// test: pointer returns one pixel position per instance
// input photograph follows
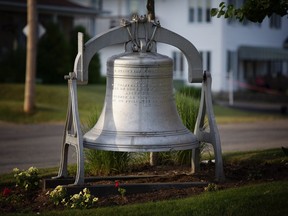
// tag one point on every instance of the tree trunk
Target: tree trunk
(154, 158)
(29, 97)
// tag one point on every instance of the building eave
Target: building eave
(51, 9)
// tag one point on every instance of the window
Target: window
(199, 11)
(206, 60)
(137, 7)
(275, 21)
(178, 63)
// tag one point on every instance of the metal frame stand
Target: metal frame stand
(212, 136)
(72, 134)
(149, 32)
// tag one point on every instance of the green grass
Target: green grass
(270, 156)
(51, 103)
(230, 115)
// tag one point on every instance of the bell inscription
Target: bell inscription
(139, 90)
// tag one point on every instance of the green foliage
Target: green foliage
(106, 162)
(10, 199)
(188, 109)
(13, 66)
(28, 180)
(252, 10)
(57, 195)
(189, 91)
(53, 59)
(187, 102)
(211, 187)
(82, 200)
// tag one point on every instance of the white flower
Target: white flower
(16, 170)
(86, 190)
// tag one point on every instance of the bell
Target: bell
(139, 113)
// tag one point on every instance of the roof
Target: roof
(262, 53)
(64, 7)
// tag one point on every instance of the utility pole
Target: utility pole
(154, 156)
(29, 96)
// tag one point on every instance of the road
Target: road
(39, 145)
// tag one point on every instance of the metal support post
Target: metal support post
(72, 135)
(213, 136)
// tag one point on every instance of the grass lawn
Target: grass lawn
(51, 103)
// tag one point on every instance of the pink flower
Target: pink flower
(116, 184)
(6, 192)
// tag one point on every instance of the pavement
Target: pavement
(39, 145)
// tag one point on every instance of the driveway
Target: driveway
(39, 145)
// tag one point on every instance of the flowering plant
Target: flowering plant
(6, 192)
(28, 180)
(57, 195)
(211, 187)
(81, 200)
(122, 191)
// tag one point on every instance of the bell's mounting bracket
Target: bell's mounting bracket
(142, 35)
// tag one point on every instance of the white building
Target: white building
(252, 53)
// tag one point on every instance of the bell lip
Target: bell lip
(142, 148)
(140, 142)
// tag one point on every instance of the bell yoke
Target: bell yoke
(139, 112)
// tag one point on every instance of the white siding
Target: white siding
(216, 37)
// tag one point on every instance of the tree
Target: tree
(29, 96)
(252, 10)
(54, 51)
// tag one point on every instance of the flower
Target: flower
(16, 170)
(116, 184)
(6, 192)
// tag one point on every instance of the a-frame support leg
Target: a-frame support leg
(72, 135)
(213, 136)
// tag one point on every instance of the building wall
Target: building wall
(216, 37)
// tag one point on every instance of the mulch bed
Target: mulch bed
(236, 175)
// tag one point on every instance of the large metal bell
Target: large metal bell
(139, 113)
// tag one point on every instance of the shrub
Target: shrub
(187, 106)
(28, 180)
(53, 59)
(106, 162)
(13, 66)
